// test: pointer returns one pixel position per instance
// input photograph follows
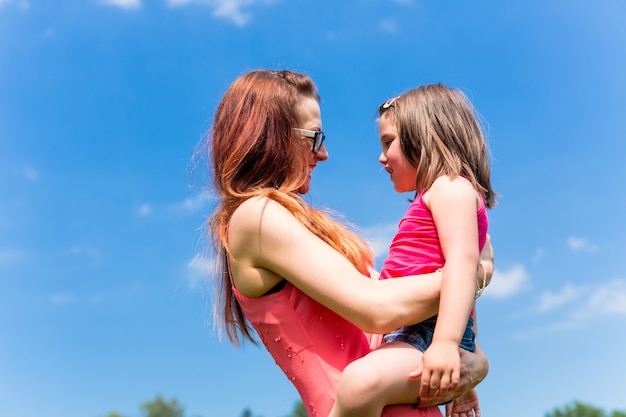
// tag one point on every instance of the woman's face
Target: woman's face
(401, 172)
(309, 118)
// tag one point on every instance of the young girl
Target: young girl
(431, 144)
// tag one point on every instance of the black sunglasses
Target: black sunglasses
(317, 136)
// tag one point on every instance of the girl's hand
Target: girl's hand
(441, 370)
(474, 368)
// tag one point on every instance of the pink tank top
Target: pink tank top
(415, 248)
(312, 345)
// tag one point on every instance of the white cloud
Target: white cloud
(388, 25)
(605, 299)
(189, 206)
(568, 294)
(193, 204)
(590, 302)
(507, 283)
(123, 4)
(581, 244)
(380, 237)
(232, 10)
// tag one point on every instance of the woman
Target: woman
(291, 272)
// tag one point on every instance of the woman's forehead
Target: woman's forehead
(308, 111)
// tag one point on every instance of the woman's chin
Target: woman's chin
(304, 188)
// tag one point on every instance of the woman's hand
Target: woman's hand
(466, 406)
(485, 267)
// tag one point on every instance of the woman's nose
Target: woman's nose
(382, 158)
(322, 155)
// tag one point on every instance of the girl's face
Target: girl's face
(402, 173)
(309, 118)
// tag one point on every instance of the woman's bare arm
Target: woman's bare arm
(268, 244)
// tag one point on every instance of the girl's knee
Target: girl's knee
(359, 382)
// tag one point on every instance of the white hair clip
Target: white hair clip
(389, 102)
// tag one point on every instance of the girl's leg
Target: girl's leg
(378, 379)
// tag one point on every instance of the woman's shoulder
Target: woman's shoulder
(256, 214)
(254, 208)
(251, 207)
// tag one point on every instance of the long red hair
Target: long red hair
(254, 152)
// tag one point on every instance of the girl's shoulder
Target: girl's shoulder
(450, 188)
(455, 183)
(452, 180)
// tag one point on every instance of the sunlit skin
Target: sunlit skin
(309, 117)
(400, 170)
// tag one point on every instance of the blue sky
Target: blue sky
(103, 298)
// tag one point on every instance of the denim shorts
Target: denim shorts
(420, 335)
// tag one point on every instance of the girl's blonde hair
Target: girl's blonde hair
(440, 134)
(254, 152)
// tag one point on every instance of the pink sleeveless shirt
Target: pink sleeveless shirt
(312, 345)
(415, 248)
